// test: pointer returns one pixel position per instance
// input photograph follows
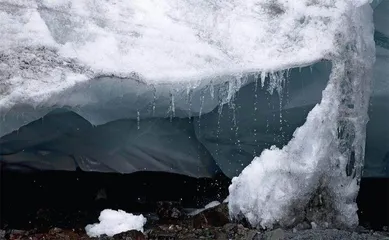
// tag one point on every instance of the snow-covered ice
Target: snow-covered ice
(165, 48)
(114, 222)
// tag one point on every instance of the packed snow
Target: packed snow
(114, 222)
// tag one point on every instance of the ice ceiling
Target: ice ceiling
(129, 74)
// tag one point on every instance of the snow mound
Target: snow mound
(114, 222)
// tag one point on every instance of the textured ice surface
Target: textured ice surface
(63, 140)
(48, 48)
(114, 222)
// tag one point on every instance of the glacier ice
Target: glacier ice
(192, 78)
(188, 43)
(63, 140)
(325, 155)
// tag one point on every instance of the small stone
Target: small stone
(55, 230)
(221, 236)
(216, 217)
(169, 210)
(251, 234)
(230, 227)
(313, 225)
(303, 226)
(130, 235)
(277, 234)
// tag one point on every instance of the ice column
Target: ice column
(315, 177)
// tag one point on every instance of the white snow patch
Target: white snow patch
(114, 222)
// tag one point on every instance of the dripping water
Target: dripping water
(172, 107)
(220, 112)
(201, 109)
(154, 100)
(189, 94)
(256, 78)
(138, 119)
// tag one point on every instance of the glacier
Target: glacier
(197, 87)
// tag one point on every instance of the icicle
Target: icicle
(154, 100)
(212, 90)
(138, 119)
(201, 109)
(220, 112)
(173, 105)
(263, 78)
(189, 96)
(172, 109)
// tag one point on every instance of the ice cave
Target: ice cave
(286, 98)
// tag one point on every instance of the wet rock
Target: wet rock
(161, 236)
(251, 235)
(216, 217)
(130, 235)
(230, 227)
(168, 211)
(16, 234)
(277, 234)
(303, 226)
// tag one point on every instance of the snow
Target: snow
(114, 222)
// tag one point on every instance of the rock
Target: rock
(251, 235)
(230, 227)
(130, 235)
(277, 234)
(303, 226)
(221, 236)
(216, 217)
(169, 211)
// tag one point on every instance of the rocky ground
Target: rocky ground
(171, 222)
(58, 205)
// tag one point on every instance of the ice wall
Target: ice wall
(315, 177)
(173, 50)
